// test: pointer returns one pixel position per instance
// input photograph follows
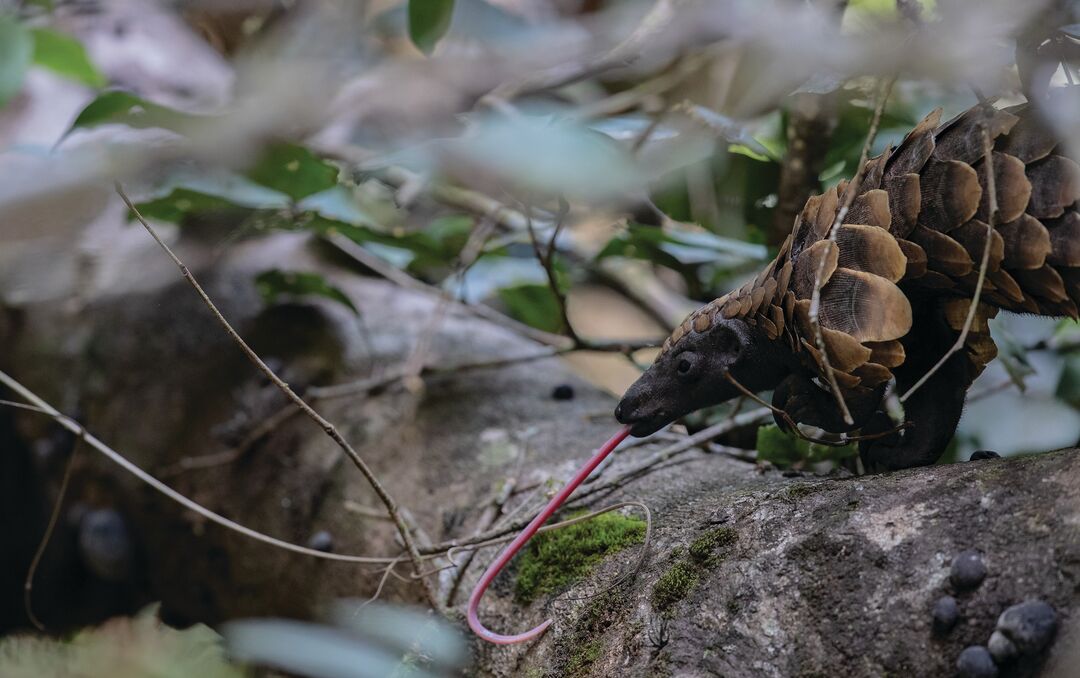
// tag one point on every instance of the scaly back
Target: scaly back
(917, 232)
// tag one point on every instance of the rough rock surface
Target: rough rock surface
(794, 576)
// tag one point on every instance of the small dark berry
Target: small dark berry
(1001, 648)
(967, 571)
(946, 613)
(979, 455)
(563, 392)
(976, 662)
(1030, 625)
(321, 541)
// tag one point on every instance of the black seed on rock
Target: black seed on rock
(321, 541)
(979, 455)
(967, 571)
(105, 544)
(946, 613)
(1030, 625)
(976, 662)
(563, 392)
(1001, 648)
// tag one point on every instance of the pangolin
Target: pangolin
(898, 277)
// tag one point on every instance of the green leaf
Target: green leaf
(275, 283)
(777, 447)
(16, 51)
(429, 21)
(183, 202)
(65, 55)
(293, 170)
(534, 305)
(818, 452)
(123, 108)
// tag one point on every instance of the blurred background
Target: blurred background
(388, 197)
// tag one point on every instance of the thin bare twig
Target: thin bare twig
(547, 261)
(28, 585)
(973, 307)
(37, 404)
(487, 519)
(849, 198)
(326, 426)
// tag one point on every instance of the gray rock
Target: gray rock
(1001, 648)
(976, 662)
(968, 571)
(1029, 625)
(946, 613)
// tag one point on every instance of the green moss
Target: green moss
(800, 490)
(554, 560)
(584, 657)
(674, 585)
(702, 548)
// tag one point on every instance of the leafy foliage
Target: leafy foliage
(293, 170)
(65, 55)
(276, 283)
(16, 52)
(784, 450)
(123, 108)
(137, 646)
(429, 21)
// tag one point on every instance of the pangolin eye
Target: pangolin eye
(684, 366)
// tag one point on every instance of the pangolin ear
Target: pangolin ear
(727, 340)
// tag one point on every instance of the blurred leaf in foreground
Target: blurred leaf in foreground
(274, 283)
(366, 641)
(293, 170)
(117, 107)
(66, 56)
(16, 51)
(533, 305)
(777, 447)
(429, 21)
(138, 646)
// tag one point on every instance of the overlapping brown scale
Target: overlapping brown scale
(887, 353)
(875, 170)
(955, 312)
(865, 306)
(962, 137)
(1006, 286)
(843, 379)
(826, 213)
(905, 201)
(950, 194)
(943, 254)
(915, 149)
(1064, 240)
(981, 350)
(807, 265)
(1028, 140)
(1012, 187)
(871, 374)
(1055, 183)
(1027, 243)
(1044, 282)
(845, 353)
(871, 208)
(870, 249)
(972, 237)
(916, 259)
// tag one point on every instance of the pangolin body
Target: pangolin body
(901, 269)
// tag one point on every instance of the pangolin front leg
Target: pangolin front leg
(933, 411)
(807, 403)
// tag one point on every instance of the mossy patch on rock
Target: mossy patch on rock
(673, 585)
(702, 548)
(554, 560)
(683, 575)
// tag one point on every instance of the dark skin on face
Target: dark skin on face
(691, 375)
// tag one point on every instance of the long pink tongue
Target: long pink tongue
(525, 536)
